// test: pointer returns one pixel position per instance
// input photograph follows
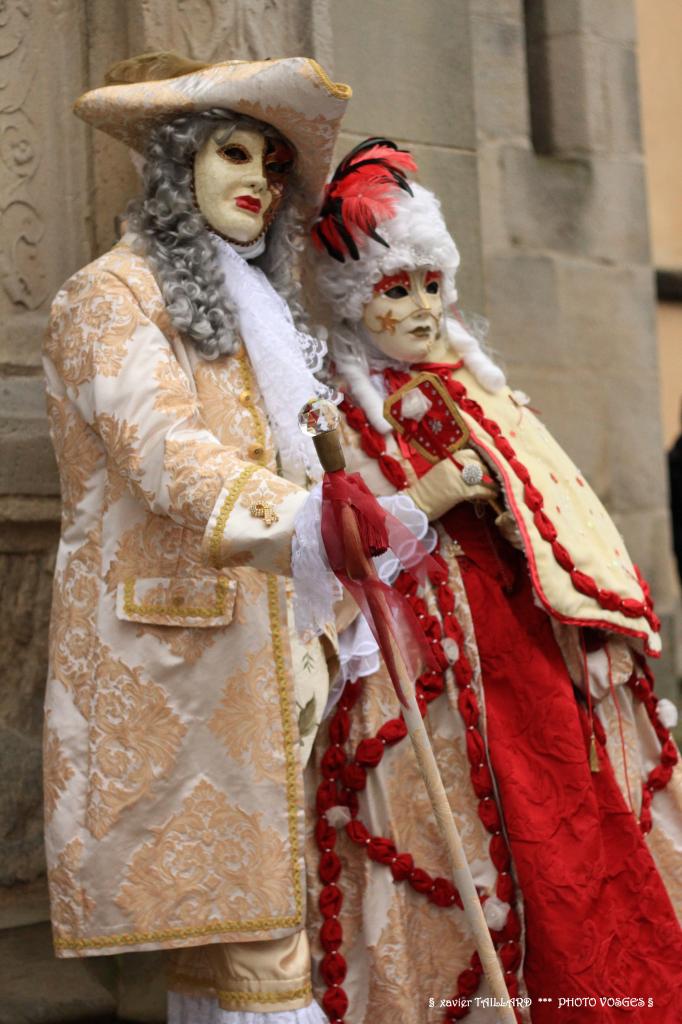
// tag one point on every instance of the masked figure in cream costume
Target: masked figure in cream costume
(176, 364)
(555, 753)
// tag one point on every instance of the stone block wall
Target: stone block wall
(565, 251)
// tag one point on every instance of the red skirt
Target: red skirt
(600, 928)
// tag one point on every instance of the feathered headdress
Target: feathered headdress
(360, 195)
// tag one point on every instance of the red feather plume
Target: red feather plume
(361, 194)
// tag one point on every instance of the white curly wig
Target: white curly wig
(417, 238)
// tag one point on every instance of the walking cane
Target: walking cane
(319, 419)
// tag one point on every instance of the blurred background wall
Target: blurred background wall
(525, 118)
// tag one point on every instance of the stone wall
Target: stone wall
(545, 199)
(567, 265)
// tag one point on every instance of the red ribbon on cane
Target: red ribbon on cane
(355, 528)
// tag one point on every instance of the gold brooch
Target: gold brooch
(265, 511)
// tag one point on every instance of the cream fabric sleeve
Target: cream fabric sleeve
(122, 375)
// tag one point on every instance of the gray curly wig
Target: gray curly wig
(174, 236)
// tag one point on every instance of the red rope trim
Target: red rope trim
(343, 778)
(374, 444)
(658, 778)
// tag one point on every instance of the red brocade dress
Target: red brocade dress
(583, 885)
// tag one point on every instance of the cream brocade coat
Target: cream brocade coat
(173, 794)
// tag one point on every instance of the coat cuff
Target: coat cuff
(252, 522)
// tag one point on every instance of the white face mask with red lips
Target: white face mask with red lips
(239, 181)
(403, 317)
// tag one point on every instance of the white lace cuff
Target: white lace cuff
(316, 588)
(401, 506)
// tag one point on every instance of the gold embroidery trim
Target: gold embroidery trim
(246, 398)
(287, 730)
(172, 934)
(131, 607)
(225, 511)
(187, 982)
(262, 923)
(241, 998)
(338, 89)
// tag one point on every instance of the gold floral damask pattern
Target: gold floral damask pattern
(248, 719)
(267, 488)
(413, 825)
(154, 547)
(175, 396)
(92, 322)
(194, 871)
(78, 452)
(70, 904)
(75, 597)
(420, 953)
(232, 407)
(134, 739)
(134, 272)
(196, 472)
(122, 443)
(57, 770)
(159, 547)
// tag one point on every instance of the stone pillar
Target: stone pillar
(568, 274)
(410, 68)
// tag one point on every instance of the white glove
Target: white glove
(445, 486)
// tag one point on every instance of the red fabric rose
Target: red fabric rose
(354, 776)
(356, 831)
(339, 727)
(393, 730)
(329, 867)
(332, 761)
(420, 880)
(331, 934)
(325, 835)
(327, 796)
(369, 752)
(333, 968)
(489, 814)
(402, 866)
(381, 850)
(468, 982)
(335, 1003)
(330, 901)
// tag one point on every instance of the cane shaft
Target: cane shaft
(461, 873)
(359, 566)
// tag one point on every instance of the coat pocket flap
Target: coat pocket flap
(177, 601)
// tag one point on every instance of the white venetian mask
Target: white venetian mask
(239, 181)
(403, 316)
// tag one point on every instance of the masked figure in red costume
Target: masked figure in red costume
(555, 752)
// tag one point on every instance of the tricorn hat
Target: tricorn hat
(293, 94)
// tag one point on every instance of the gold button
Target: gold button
(245, 397)
(256, 451)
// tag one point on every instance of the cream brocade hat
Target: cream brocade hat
(294, 94)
